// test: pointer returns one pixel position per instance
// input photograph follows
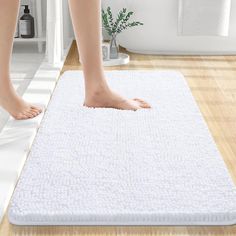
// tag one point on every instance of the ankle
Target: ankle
(7, 92)
(95, 87)
(5, 86)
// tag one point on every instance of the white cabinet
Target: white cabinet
(53, 27)
(36, 9)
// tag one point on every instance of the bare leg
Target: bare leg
(9, 100)
(86, 18)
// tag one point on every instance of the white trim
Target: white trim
(23, 40)
(39, 23)
(54, 31)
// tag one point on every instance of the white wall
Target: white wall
(160, 31)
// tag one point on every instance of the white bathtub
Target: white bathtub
(159, 34)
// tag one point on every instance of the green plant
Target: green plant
(121, 23)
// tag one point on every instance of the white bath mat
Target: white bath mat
(110, 167)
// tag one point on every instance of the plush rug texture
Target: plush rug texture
(156, 166)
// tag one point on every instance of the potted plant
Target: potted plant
(115, 27)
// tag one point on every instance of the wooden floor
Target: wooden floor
(213, 84)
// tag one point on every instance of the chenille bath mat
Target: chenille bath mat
(156, 166)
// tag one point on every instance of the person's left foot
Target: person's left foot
(15, 105)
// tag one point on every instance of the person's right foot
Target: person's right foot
(16, 106)
(106, 98)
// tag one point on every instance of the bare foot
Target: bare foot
(15, 105)
(109, 99)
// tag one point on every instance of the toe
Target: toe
(138, 100)
(34, 112)
(28, 114)
(145, 105)
(142, 103)
(37, 109)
